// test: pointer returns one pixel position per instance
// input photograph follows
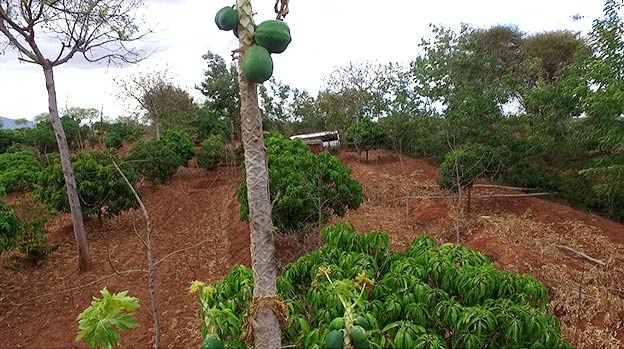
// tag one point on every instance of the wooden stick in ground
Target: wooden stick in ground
(581, 254)
(502, 187)
(151, 265)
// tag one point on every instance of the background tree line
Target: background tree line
(551, 103)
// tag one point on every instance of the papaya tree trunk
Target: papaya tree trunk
(84, 259)
(266, 328)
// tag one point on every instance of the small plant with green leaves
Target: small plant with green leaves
(212, 152)
(101, 323)
(33, 244)
(11, 227)
(181, 144)
(154, 161)
(466, 164)
(101, 189)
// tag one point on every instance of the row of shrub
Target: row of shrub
(155, 160)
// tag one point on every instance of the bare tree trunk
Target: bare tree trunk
(267, 332)
(458, 208)
(84, 259)
(157, 125)
(469, 197)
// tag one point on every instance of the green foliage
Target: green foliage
(305, 189)
(220, 87)
(113, 140)
(11, 227)
(212, 152)
(18, 171)
(466, 164)
(154, 161)
(210, 124)
(181, 144)
(101, 188)
(426, 297)
(33, 243)
(365, 135)
(42, 137)
(101, 323)
(7, 139)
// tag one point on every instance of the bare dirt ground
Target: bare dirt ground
(38, 308)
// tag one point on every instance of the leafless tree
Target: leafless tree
(147, 89)
(97, 30)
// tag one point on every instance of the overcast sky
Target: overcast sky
(325, 33)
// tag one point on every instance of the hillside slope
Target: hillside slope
(38, 308)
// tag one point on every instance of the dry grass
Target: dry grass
(588, 298)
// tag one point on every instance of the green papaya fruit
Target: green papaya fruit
(361, 321)
(336, 324)
(212, 341)
(359, 338)
(257, 64)
(333, 340)
(274, 35)
(227, 18)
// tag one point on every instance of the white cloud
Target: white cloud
(325, 33)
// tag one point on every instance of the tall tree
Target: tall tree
(266, 327)
(352, 92)
(605, 106)
(96, 29)
(220, 86)
(165, 105)
(472, 76)
(276, 105)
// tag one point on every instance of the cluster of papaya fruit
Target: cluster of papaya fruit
(272, 36)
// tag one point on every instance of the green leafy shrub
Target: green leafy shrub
(426, 297)
(49, 159)
(305, 189)
(11, 227)
(18, 171)
(113, 139)
(99, 325)
(7, 139)
(154, 161)
(101, 188)
(33, 243)
(118, 132)
(365, 135)
(181, 144)
(212, 152)
(467, 164)
(209, 124)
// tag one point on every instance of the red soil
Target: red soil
(38, 307)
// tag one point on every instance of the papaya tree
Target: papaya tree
(254, 64)
(99, 30)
